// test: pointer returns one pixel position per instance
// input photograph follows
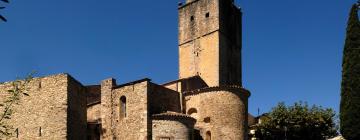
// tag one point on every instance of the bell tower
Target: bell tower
(210, 41)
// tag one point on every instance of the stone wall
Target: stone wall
(193, 22)
(106, 108)
(94, 122)
(94, 113)
(231, 43)
(44, 114)
(186, 84)
(199, 41)
(135, 126)
(59, 107)
(210, 41)
(136, 123)
(174, 85)
(205, 63)
(220, 111)
(162, 99)
(93, 94)
(76, 111)
(230, 63)
(172, 125)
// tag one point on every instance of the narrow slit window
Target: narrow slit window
(17, 132)
(40, 132)
(123, 107)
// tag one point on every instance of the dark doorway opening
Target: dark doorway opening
(93, 131)
(197, 135)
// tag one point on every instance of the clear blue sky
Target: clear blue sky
(292, 49)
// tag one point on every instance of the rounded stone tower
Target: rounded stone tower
(221, 112)
(171, 125)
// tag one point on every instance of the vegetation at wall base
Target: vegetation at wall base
(350, 86)
(297, 122)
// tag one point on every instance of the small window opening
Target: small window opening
(207, 15)
(192, 18)
(165, 138)
(207, 120)
(40, 84)
(122, 107)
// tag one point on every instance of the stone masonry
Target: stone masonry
(206, 102)
(55, 109)
(210, 41)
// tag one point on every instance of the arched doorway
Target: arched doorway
(208, 135)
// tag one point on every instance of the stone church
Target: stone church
(207, 102)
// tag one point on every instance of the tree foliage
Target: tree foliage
(350, 86)
(297, 122)
(1, 7)
(14, 94)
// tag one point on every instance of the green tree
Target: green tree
(297, 122)
(14, 94)
(350, 86)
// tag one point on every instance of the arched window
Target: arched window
(122, 107)
(208, 135)
(192, 112)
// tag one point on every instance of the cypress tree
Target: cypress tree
(350, 86)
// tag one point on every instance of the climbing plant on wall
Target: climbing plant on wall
(11, 98)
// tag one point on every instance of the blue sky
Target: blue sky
(292, 49)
